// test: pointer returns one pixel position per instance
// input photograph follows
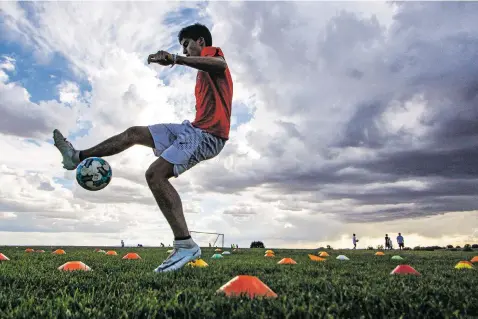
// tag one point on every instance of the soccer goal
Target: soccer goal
(206, 239)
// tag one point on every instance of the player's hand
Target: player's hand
(161, 57)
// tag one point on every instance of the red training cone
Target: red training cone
(248, 285)
(404, 270)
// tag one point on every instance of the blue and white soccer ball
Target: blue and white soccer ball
(93, 173)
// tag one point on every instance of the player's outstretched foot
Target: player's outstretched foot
(178, 258)
(70, 158)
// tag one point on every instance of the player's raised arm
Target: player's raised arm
(208, 64)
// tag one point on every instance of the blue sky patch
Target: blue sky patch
(40, 80)
(32, 141)
(84, 128)
(241, 112)
(66, 183)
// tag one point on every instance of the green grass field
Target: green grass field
(32, 287)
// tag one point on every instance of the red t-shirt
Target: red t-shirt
(213, 99)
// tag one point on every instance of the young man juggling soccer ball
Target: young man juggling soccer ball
(178, 146)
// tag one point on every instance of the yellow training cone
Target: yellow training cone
(198, 263)
(464, 265)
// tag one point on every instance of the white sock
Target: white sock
(186, 243)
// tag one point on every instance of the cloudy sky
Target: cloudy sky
(347, 117)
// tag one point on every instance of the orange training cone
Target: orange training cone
(3, 257)
(474, 259)
(111, 253)
(269, 255)
(73, 266)
(287, 261)
(131, 256)
(59, 252)
(248, 285)
(323, 254)
(315, 258)
(29, 250)
(404, 270)
(379, 253)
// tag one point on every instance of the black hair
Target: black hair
(196, 31)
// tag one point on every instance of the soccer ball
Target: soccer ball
(93, 173)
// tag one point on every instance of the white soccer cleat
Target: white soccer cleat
(178, 258)
(66, 149)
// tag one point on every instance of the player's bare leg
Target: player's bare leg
(168, 200)
(135, 135)
(166, 196)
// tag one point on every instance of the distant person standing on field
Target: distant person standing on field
(400, 241)
(355, 241)
(387, 242)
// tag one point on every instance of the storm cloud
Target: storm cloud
(362, 104)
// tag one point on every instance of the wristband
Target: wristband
(175, 58)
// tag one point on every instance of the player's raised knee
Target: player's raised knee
(150, 176)
(133, 131)
(139, 135)
(154, 177)
(159, 171)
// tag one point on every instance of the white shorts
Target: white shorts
(184, 145)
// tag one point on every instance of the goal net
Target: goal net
(207, 239)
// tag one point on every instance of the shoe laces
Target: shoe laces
(67, 142)
(172, 254)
